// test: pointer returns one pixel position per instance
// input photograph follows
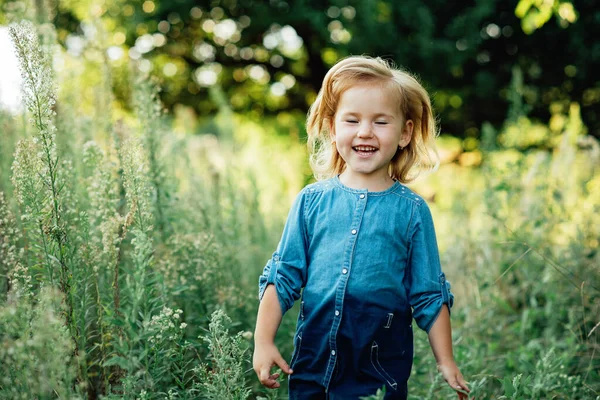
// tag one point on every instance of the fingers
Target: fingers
(268, 380)
(283, 365)
(460, 385)
(263, 371)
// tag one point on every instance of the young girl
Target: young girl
(359, 248)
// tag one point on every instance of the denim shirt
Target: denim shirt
(363, 264)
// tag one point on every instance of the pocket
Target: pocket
(388, 322)
(375, 362)
(297, 346)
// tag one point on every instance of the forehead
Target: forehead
(369, 97)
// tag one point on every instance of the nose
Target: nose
(364, 131)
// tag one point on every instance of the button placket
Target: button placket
(360, 204)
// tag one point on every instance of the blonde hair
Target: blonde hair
(413, 102)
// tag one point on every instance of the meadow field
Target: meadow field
(131, 241)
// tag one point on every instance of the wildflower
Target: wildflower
(149, 109)
(137, 186)
(39, 92)
(26, 179)
(9, 237)
(227, 355)
(35, 69)
(20, 281)
(103, 195)
(183, 325)
(247, 335)
(42, 170)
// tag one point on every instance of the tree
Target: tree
(271, 56)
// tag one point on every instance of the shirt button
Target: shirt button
(362, 196)
(344, 271)
(333, 352)
(354, 231)
(337, 312)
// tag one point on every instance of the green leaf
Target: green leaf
(522, 8)
(118, 360)
(508, 387)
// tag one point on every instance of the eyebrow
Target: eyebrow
(352, 113)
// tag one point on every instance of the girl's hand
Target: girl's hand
(454, 378)
(265, 356)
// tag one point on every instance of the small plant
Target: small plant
(149, 110)
(223, 378)
(545, 379)
(10, 255)
(36, 356)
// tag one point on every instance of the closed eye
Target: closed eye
(352, 121)
(381, 123)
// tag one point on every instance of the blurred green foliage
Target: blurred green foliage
(270, 56)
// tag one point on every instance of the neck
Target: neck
(371, 183)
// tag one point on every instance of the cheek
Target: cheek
(344, 130)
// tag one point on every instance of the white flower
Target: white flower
(247, 335)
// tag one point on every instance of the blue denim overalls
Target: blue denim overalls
(363, 265)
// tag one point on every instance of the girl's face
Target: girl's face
(368, 128)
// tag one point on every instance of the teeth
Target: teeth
(365, 148)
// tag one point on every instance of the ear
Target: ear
(407, 132)
(332, 129)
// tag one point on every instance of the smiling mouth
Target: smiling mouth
(365, 149)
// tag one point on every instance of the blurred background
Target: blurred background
(217, 94)
(484, 61)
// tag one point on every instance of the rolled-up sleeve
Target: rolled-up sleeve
(286, 269)
(427, 287)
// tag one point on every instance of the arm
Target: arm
(266, 353)
(279, 287)
(440, 338)
(430, 297)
